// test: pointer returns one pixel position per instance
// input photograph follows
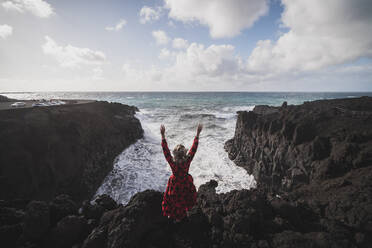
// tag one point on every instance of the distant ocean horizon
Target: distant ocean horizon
(142, 165)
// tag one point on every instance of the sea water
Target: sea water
(142, 166)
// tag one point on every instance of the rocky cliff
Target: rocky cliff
(317, 155)
(313, 207)
(69, 149)
(289, 146)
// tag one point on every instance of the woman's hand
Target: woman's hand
(199, 129)
(162, 131)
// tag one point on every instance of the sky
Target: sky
(185, 45)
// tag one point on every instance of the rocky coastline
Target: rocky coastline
(66, 149)
(313, 164)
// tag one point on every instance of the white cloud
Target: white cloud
(160, 37)
(197, 63)
(5, 31)
(321, 33)
(38, 8)
(219, 67)
(180, 43)
(213, 61)
(11, 6)
(148, 14)
(97, 74)
(118, 26)
(225, 18)
(70, 56)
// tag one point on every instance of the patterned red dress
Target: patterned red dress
(180, 194)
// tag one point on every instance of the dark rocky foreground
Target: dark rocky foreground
(66, 149)
(314, 171)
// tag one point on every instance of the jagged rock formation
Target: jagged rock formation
(245, 218)
(47, 224)
(317, 155)
(295, 145)
(67, 149)
(328, 203)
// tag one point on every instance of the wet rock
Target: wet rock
(92, 211)
(106, 202)
(101, 204)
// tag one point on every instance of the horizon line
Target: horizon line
(176, 91)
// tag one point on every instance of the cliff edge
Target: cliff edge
(314, 172)
(66, 149)
(289, 146)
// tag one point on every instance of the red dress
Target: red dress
(180, 194)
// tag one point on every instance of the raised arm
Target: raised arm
(164, 145)
(195, 144)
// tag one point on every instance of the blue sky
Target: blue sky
(250, 45)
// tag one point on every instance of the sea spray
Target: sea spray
(142, 166)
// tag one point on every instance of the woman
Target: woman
(180, 194)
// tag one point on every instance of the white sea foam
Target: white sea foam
(142, 166)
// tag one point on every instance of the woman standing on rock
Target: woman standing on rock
(180, 194)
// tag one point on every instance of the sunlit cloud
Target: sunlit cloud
(224, 18)
(38, 8)
(322, 34)
(189, 44)
(70, 56)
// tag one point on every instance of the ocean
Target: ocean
(142, 166)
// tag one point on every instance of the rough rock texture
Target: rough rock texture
(57, 223)
(307, 210)
(295, 145)
(244, 218)
(68, 149)
(317, 157)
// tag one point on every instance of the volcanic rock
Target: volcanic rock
(316, 157)
(66, 149)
